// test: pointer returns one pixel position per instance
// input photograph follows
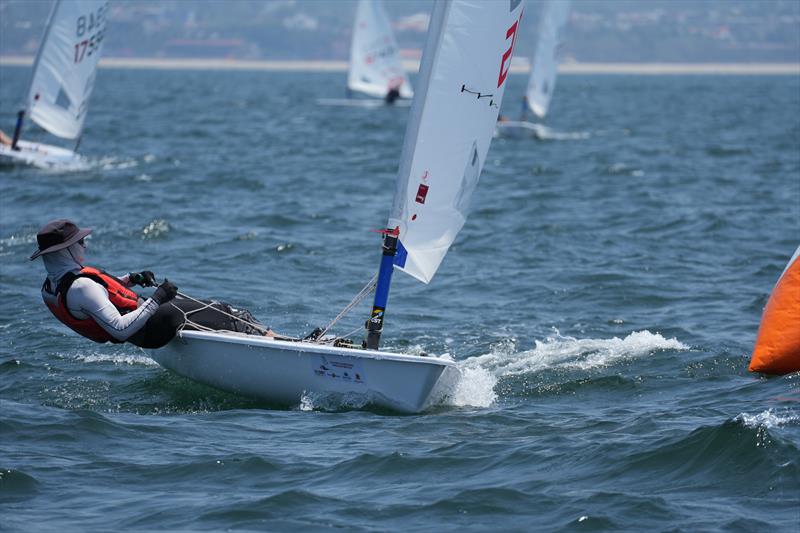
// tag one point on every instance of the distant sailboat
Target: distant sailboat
(375, 69)
(62, 82)
(463, 74)
(544, 71)
(542, 81)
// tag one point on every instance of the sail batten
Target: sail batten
(375, 65)
(452, 121)
(65, 67)
(544, 71)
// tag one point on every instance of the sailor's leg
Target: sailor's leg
(160, 328)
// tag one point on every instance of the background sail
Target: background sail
(463, 75)
(375, 64)
(545, 64)
(64, 71)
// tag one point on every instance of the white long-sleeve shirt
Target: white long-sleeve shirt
(86, 298)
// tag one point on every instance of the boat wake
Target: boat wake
(80, 164)
(476, 386)
(115, 163)
(549, 134)
(537, 131)
(312, 401)
(117, 359)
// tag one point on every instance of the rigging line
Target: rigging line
(206, 305)
(187, 321)
(346, 335)
(368, 288)
(199, 327)
(186, 314)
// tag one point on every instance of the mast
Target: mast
(18, 129)
(21, 113)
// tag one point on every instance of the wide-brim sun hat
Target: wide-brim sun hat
(57, 235)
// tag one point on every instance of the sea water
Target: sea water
(601, 302)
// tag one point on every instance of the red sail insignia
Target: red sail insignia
(422, 192)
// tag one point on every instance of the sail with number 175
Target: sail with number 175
(62, 82)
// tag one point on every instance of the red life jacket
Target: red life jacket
(124, 299)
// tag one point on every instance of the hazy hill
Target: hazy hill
(606, 31)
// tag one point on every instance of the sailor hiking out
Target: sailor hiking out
(104, 308)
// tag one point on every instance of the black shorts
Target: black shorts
(165, 322)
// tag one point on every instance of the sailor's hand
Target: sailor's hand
(165, 292)
(314, 335)
(145, 278)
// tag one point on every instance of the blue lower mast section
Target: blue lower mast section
(375, 322)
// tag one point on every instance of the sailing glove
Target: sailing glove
(145, 278)
(165, 292)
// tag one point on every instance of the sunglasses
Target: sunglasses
(82, 242)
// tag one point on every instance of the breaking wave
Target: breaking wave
(768, 419)
(479, 375)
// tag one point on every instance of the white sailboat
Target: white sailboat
(62, 82)
(544, 71)
(375, 66)
(463, 74)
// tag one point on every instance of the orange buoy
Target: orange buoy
(777, 349)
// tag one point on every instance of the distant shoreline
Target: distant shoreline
(786, 69)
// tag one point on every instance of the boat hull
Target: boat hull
(513, 128)
(284, 372)
(362, 102)
(39, 155)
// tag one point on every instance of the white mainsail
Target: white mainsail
(463, 73)
(64, 71)
(545, 63)
(375, 65)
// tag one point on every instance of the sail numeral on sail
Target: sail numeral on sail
(92, 45)
(85, 25)
(505, 63)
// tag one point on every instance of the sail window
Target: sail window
(469, 183)
(62, 100)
